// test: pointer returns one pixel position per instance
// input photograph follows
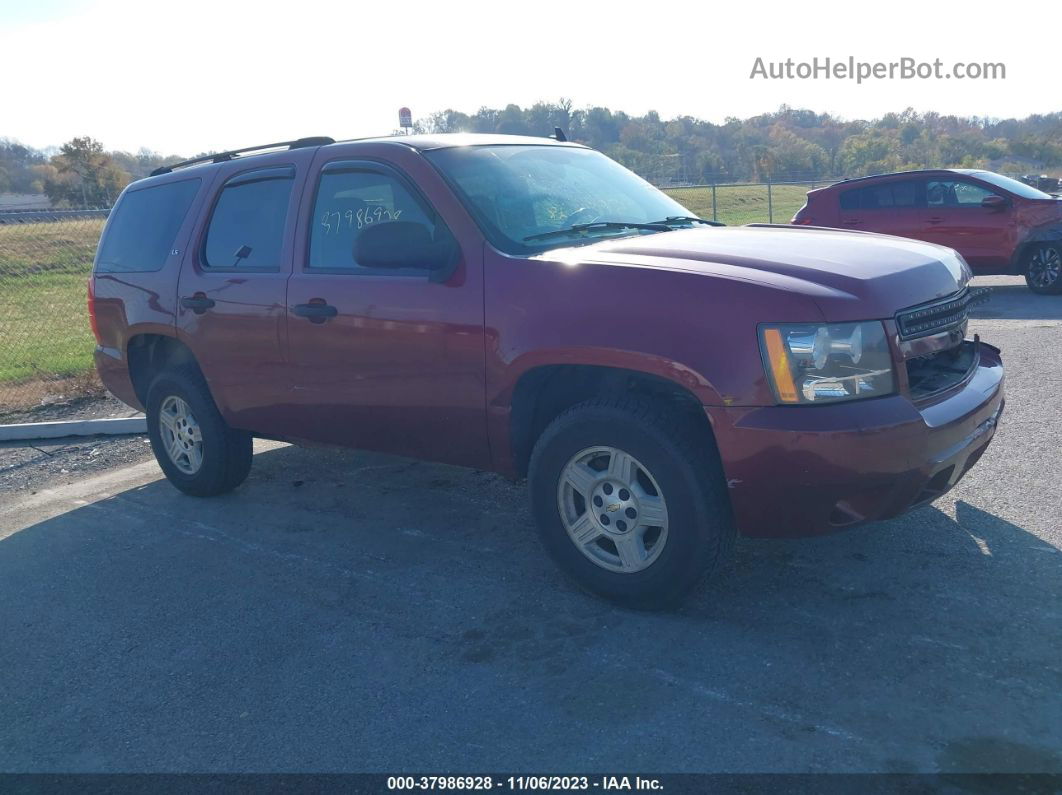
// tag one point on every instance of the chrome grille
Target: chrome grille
(937, 316)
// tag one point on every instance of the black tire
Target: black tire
(682, 459)
(226, 453)
(1040, 279)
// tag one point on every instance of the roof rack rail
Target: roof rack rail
(221, 157)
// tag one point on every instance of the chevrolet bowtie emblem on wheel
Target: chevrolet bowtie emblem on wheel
(613, 507)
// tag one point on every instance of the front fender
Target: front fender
(1045, 233)
(678, 373)
(501, 402)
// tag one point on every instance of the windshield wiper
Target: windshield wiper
(653, 227)
(688, 219)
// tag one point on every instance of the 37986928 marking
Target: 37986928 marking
(519, 783)
(441, 783)
(362, 218)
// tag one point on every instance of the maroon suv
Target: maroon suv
(529, 306)
(998, 224)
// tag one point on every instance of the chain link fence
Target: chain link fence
(45, 341)
(46, 256)
(737, 203)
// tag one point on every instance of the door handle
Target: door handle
(936, 219)
(315, 312)
(853, 222)
(198, 303)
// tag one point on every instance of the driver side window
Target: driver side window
(351, 201)
(955, 193)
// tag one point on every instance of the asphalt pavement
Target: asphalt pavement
(345, 611)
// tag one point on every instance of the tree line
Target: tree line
(79, 174)
(790, 143)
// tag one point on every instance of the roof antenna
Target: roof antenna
(558, 134)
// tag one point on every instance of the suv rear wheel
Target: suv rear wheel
(630, 501)
(196, 450)
(1043, 269)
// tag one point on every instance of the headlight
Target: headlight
(811, 363)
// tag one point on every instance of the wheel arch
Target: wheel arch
(150, 353)
(1050, 235)
(543, 392)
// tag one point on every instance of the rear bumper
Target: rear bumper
(808, 470)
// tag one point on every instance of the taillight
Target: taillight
(92, 313)
(804, 221)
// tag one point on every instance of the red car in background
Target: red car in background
(998, 224)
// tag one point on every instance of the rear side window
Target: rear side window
(349, 201)
(247, 226)
(143, 227)
(905, 194)
(882, 197)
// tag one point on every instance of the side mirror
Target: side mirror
(994, 203)
(390, 245)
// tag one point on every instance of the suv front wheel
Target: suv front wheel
(198, 452)
(1043, 269)
(630, 501)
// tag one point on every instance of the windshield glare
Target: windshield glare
(516, 192)
(1014, 186)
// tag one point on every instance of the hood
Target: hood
(850, 275)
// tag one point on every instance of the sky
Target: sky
(184, 76)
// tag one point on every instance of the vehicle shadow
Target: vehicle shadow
(349, 611)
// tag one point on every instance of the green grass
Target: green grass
(44, 326)
(743, 204)
(60, 246)
(44, 269)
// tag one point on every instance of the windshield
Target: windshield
(520, 193)
(1012, 185)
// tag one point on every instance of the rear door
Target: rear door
(954, 217)
(399, 365)
(230, 304)
(892, 207)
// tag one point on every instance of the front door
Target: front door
(954, 217)
(384, 359)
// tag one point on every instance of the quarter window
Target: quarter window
(350, 201)
(247, 227)
(145, 224)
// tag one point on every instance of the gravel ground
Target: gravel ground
(26, 466)
(346, 611)
(98, 406)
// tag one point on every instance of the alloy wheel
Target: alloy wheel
(1045, 267)
(613, 509)
(181, 436)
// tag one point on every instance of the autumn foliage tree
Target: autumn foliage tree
(83, 175)
(790, 143)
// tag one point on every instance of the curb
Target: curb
(58, 429)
